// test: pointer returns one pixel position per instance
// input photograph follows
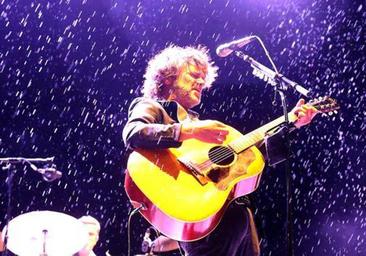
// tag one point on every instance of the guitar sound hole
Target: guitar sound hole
(221, 155)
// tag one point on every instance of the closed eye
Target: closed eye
(197, 75)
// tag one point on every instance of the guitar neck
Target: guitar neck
(252, 138)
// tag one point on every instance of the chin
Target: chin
(195, 100)
(195, 103)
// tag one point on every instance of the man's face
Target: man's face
(93, 232)
(189, 84)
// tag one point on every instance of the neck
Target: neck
(259, 134)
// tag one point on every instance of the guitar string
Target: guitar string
(253, 137)
(218, 155)
(222, 153)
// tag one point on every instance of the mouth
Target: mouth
(196, 91)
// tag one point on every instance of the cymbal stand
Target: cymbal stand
(44, 253)
(10, 167)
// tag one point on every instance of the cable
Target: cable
(129, 227)
(267, 54)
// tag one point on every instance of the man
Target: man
(93, 228)
(163, 118)
(1, 243)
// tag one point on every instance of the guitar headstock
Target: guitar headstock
(326, 105)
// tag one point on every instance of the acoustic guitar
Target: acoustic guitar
(184, 191)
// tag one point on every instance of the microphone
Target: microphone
(50, 174)
(224, 50)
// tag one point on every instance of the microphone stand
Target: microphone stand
(10, 163)
(273, 78)
(281, 84)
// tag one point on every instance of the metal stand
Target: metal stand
(9, 182)
(289, 208)
(44, 253)
(281, 84)
(10, 163)
(272, 77)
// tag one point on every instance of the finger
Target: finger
(301, 114)
(221, 131)
(221, 137)
(314, 110)
(300, 103)
(309, 110)
(305, 108)
(214, 140)
(220, 140)
(298, 110)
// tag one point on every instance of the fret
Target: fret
(252, 138)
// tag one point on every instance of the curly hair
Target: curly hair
(164, 67)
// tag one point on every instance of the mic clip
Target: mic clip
(49, 174)
(271, 77)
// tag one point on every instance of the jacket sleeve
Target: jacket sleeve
(145, 127)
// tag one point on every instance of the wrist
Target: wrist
(186, 132)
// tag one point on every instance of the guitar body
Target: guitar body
(185, 191)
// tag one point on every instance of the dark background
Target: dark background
(69, 69)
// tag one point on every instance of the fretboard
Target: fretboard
(252, 138)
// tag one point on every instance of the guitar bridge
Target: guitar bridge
(194, 170)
